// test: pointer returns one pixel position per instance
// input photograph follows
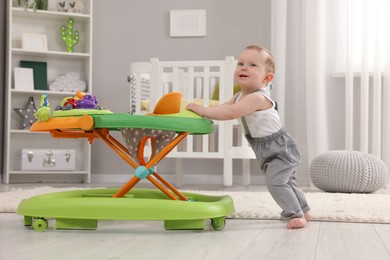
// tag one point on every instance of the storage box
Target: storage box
(48, 160)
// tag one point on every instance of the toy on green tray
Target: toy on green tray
(80, 101)
(70, 38)
(81, 104)
(43, 112)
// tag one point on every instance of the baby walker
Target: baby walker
(163, 129)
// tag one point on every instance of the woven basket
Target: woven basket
(348, 172)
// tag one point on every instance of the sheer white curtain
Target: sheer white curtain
(343, 80)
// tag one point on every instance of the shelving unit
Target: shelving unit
(59, 62)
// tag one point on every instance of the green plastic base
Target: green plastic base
(81, 209)
(184, 224)
(67, 223)
(28, 221)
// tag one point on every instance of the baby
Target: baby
(275, 149)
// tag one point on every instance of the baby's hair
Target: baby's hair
(269, 62)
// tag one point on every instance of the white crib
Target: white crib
(197, 81)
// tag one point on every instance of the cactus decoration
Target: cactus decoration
(70, 38)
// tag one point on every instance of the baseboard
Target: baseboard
(187, 179)
(209, 179)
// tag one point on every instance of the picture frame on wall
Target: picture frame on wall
(34, 42)
(23, 79)
(188, 23)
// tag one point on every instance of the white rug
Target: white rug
(370, 208)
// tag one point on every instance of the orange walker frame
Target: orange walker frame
(86, 122)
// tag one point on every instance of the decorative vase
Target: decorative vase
(34, 4)
(43, 4)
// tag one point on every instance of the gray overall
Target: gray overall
(279, 157)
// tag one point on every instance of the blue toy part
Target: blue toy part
(142, 172)
(44, 101)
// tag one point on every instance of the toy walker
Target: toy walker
(164, 129)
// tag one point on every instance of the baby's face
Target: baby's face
(251, 72)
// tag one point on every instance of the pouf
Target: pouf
(348, 171)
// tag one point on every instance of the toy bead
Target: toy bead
(70, 38)
(141, 172)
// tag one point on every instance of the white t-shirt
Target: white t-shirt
(262, 123)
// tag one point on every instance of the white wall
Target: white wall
(2, 74)
(130, 31)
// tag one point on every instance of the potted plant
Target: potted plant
(33, 4)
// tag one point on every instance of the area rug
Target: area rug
(340, 207)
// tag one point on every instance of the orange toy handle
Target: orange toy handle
(141, 148)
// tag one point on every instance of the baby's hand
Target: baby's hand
(194, 108)
(190, 106)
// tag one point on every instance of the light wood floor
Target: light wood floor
(241, 239)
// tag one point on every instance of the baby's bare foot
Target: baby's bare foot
(307, 216)
(296, 223)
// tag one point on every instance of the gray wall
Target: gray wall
(138, 30)
(2, 75)
(130, 31)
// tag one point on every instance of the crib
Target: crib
(206, 82)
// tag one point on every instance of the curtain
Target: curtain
(343, 78)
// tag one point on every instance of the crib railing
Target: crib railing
(197, 81)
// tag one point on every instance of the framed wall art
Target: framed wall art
(188, 23)
(34, 42)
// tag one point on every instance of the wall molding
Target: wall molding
(187, 179)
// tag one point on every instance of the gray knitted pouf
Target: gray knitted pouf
(348, 171)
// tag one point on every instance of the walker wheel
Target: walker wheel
(40, 225)
(218, 223)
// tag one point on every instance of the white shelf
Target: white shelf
(49, 172)
(40, 92)
(27, 132)
(55, 54)
(59, 62)
(23, 132)
(48, 15)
